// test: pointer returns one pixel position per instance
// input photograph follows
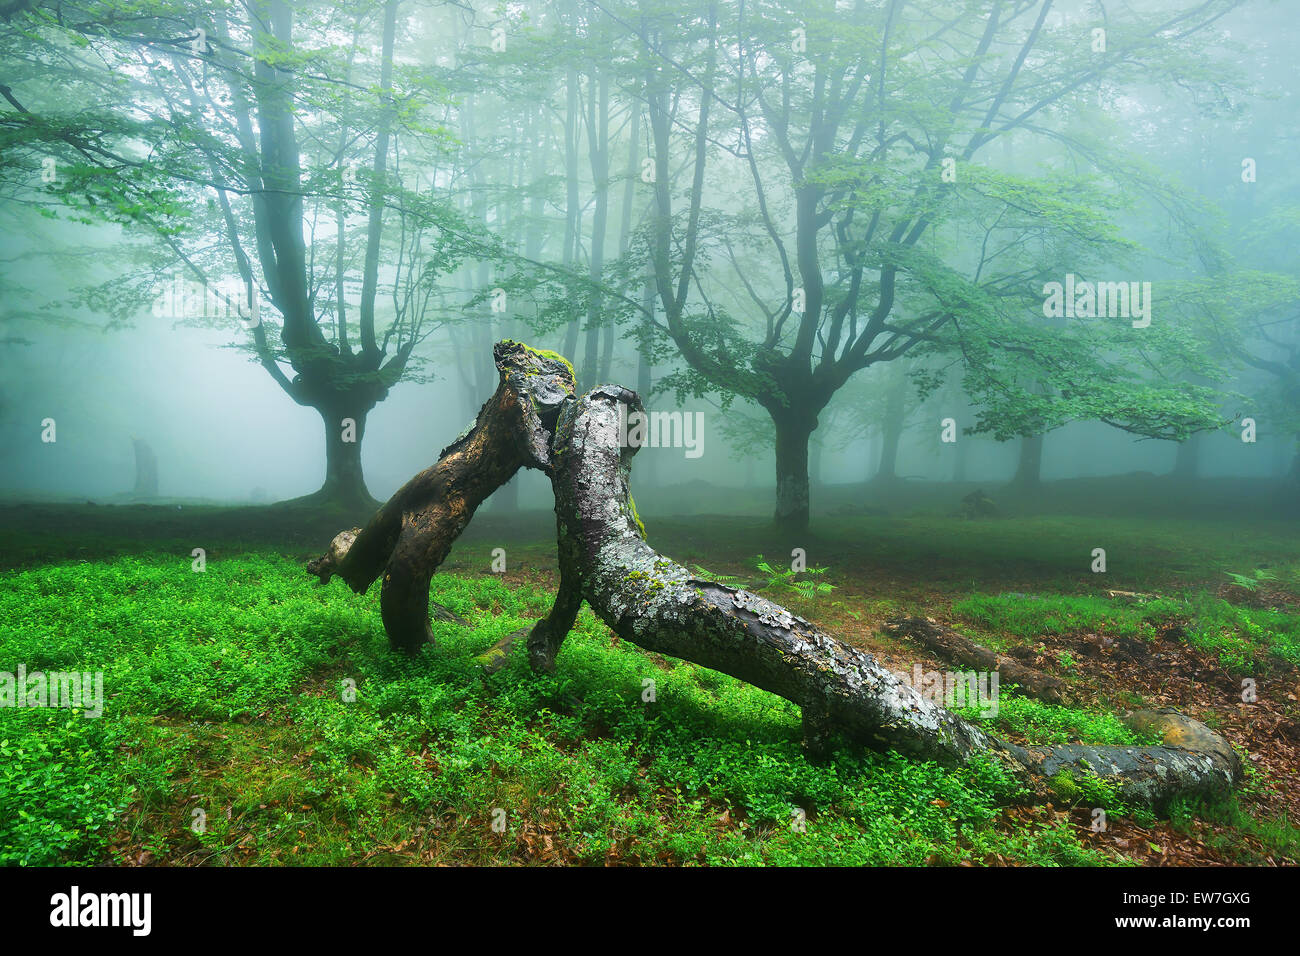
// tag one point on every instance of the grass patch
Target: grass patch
(230, 698)
(1041, 723)
(254, 718)
(1279, 836)
(1244, 638)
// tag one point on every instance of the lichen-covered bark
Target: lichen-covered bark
(411, 535)
(659, 605)
(1148, 775)
(649, 600)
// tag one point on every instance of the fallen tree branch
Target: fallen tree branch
(659, 605)
(949, 645)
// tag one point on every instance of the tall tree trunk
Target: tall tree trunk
(792, 493)
(892, 432)
(572, 208)
(1187, 459)
(888, 469)
(345, 484)
(378, 172)
(146, 470)
(331, 378)
(644, 368)
(815, 451)
(625, 236)
(608, 334)
(1030, 466)
(598, 152)
(873, 456)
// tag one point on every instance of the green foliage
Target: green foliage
(730, 580)
(1243, 637)
(546, 354)
(1043, 723)
(1252, 581)
(1030, 616)
(59, 791)
(790, 580)
(1279, 835)
(225, 693)
(1084, 787)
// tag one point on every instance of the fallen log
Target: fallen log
(1193, 760)
(949, 645)
(659, 605)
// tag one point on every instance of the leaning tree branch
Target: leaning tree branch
(411, 535)
(534, 420)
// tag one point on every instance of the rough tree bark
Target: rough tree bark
(345, 481)
(793, 433)
(413, 532)
(534, 420)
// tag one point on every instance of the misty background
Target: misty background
(541, 146)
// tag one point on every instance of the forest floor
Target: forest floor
(232, 734)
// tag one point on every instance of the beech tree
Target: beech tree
(860, 132)
(257, 143)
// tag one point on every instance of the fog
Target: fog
(539, 220)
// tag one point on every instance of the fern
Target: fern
(1252, 581)
(790, 580)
